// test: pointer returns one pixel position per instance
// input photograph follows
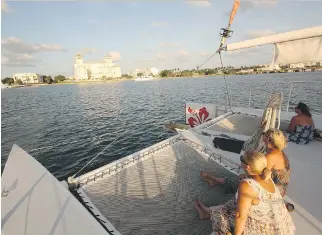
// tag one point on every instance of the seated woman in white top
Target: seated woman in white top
(258, 207)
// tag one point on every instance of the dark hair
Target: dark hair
(304, 109)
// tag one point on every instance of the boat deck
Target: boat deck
(152, 191)
(155, 195)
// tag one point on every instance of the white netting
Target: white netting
(155, 195)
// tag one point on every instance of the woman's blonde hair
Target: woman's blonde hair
(257, 162)
(277, 138)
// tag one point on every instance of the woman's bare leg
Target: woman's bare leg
(204, 212)
(211, 180)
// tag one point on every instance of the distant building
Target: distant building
(154, 71)
(149, 71)
(295, 66)
(245, 71)
(92, 71)
(28, 78)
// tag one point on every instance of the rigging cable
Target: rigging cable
(118, 137)
(222, 68)
(207, 60)
(225, 34)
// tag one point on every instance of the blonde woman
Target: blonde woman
(277, 162)
(258, 207)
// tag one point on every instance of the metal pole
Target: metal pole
(250, 97)
(289, 97)
(226, 102)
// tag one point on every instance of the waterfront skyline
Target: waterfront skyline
(44, 37)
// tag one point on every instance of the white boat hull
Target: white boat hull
(145, 78)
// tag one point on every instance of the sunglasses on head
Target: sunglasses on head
(242, 160)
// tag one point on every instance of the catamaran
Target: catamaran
(152, 191)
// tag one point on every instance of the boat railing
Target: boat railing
(287, 88)
(291, 89)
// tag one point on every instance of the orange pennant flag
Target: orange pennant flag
(234, 11)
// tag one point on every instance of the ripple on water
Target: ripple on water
(65, 126)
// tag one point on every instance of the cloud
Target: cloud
(16, 45)
(248, 4)
(161, 56)
(259, 33)
(18, 60)
(20, 54)
(159, 24)
(183, 53)
(168, 45)
(199, 3)
(116, 56)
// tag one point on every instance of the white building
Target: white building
(299, 65)
(149, 71)
(27, 77)
(91, 71)
(154, 71)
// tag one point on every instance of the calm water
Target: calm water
(64, 126)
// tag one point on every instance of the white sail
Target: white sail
(299, 51)
(35, 202)
(297, 46)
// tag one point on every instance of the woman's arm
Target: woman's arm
(271, 160)
(244, 202)
(292, 125)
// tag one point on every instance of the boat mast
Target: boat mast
(226, 32)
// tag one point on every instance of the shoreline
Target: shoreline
(66, 82)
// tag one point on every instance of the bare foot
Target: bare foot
(211, 180)
(202, 213)
(203, 207)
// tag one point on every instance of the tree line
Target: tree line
(197, 72)
(218, 70)
(44, 79)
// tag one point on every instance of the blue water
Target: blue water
(64, 126)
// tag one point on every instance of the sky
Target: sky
(45, 36)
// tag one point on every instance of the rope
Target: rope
(222, 68)
(99, 153)
(208, 59)
(118, 137)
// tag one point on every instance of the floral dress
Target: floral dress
(268, 217)
(301, 135)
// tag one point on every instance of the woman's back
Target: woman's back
(303, 120)
(279, 164)
(301, 129)
(277, 159)
(269, 215)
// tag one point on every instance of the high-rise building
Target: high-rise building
(92, 71)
